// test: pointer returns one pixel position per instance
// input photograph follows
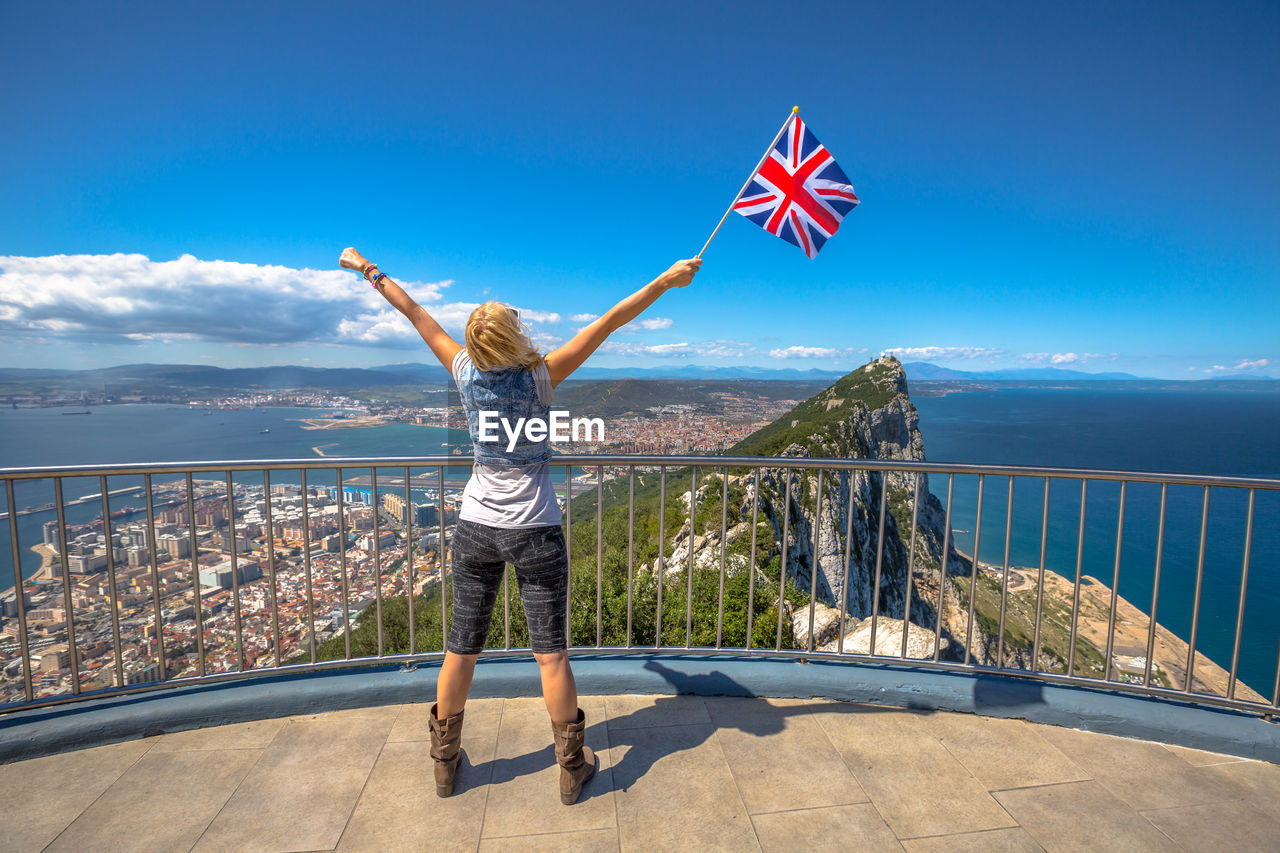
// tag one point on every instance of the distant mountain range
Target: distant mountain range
(417, 373)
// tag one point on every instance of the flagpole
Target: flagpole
(794, 112)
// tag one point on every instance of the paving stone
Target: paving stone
(162, 802)
(524, 792)
(1082, 816)
(835, 828)
(255, 734)
(1239, 825)
(637, 712)
(901, 764)
(675, 792)
(399, 809)
(776, 749)
(411, 723)
(1256, 781)
(1003, 753)
(1128, 768)
(581, 841)
(304, 787)
(40, 797)
(1200, 758)
(1015, 840)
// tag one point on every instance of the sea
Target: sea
(1227, 433)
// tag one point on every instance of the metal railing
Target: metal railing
(974, 609)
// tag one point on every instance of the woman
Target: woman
(509, 510)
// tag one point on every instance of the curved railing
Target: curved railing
(134, 621)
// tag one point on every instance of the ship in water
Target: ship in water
(263, 431)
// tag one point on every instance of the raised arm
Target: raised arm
(444, 346)
(569, 357)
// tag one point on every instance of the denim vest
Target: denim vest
(510, 393)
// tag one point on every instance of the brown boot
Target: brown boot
(446, 749)
(577, 762)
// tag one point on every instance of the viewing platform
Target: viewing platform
(677, 772)
(794, 654)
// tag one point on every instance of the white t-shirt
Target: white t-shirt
(511, 495)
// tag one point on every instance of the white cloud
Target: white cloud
(1060, 357)
(703, 349)
(528, 315)
(656, 323)
(814, 352)
(932, 353)
(130, 299)
(582, 318)
(1242, 364)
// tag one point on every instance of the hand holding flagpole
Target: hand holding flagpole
(747, 183)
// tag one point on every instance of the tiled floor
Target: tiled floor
(676, 773)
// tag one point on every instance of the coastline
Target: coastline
(47, 555)
(344, 423)
(1132, 627)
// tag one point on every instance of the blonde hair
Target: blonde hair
(495, 340)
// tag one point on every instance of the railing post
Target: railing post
(1189, 678)
(1004, 584)
(440, 564)
(1075, 598)
(875, 593)
(195, 575)
(1244, 584)
(306, 564)
(68, 604)
(688, 598)
(975, 569)
(235, 573)
(108, 535)
(813, 563)
(1115, 587)
(568, 544)
(19, 588)
(943, 574)
(599, 556)
(1044, 538)
(342, 562)
(724, 521)
(786, 549)
(631, 543)
(277, 651)
(1155, 591)
(751, 578)
(161, 664)
(408, 557)
(911, 565)
(377, 554)
(661, 564)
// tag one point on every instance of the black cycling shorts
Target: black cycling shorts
(480, 556)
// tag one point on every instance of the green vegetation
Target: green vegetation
(819, 414)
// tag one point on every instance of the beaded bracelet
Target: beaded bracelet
(376, 278)
(365, 274)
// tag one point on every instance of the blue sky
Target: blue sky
(1093, 186)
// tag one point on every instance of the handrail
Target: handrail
(908, 578)
(650, 460)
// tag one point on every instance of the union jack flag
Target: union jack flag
(798, 193)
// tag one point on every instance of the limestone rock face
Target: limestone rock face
(864, 539)
(920, 640)
(826, 625)
(847, 517)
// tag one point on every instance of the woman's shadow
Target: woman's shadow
(671, 724)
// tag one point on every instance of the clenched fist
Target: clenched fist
(681, 273)
(353, 260)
